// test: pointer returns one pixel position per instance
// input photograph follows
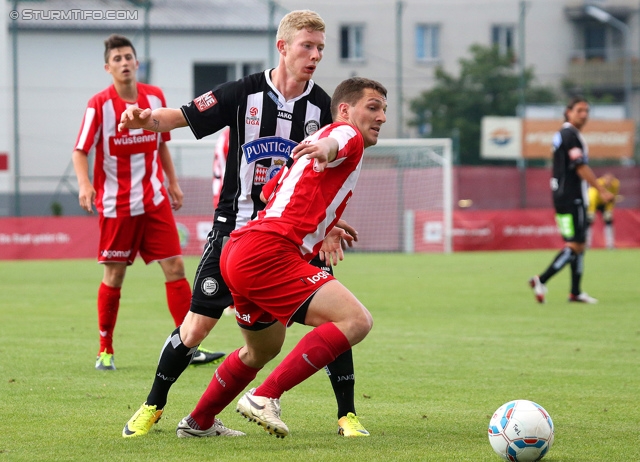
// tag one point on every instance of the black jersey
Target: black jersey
(264, 130)
(567, 187)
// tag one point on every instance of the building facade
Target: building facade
(190, 46)
(401, 42)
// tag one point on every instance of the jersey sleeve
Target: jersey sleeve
(90, 127)
(212, 110)
(349, 140)
(574, 149)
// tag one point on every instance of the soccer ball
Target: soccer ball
(521, 431)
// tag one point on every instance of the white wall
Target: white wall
(60, 71)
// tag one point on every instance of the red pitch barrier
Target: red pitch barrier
(32, 238)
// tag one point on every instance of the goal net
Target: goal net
(403, 200)
(402, 203)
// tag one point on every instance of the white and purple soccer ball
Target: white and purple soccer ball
(521, 431)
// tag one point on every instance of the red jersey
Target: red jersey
(308, 203)
(127, 176)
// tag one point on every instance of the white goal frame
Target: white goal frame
(427, 151)
(194, 159)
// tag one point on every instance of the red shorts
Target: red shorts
(268, 278)
(153, 234)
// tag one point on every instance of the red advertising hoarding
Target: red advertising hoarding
(32, 238)
(77, 237)
(519, 230)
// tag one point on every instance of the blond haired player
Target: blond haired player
(268, 114)
(266, 266)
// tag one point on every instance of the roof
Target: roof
(164, 15)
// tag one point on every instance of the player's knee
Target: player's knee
(258, 357)
(607, 216)
(173, 269)
(361, 324)
(195, 329)
(114, 274)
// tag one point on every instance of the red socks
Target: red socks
(231, 377)
(108, 304)
(178, 299)
(314, 351)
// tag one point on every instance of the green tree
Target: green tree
(489, 84)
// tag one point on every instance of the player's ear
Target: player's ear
(281, 45)
(343, 109)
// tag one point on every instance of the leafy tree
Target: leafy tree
(489, 84)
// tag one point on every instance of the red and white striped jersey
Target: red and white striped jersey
(308, 203)
(127, 174)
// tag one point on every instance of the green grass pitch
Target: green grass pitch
(454, 337)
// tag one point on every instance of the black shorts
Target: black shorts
(210, 293)
(572, 222)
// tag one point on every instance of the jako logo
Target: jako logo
(165, 378)
(219, 379)
(501, 136)
(318, 277)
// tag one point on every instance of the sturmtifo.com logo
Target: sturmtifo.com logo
(74, 15)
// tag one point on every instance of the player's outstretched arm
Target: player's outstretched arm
(159, 120)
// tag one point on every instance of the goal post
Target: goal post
(403, 201)
(404, 198)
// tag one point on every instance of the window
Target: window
(427, 42)
(503, 38)
(208, 76)
(351, 42)
(595, 41)
(251, 68)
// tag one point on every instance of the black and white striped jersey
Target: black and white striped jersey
(264, 129)
(569, 151)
